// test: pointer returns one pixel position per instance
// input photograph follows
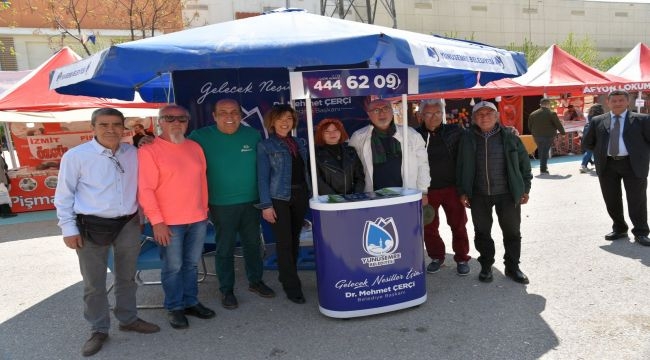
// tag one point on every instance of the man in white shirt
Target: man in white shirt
(96, 195)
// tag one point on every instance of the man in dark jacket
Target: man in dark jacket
(620, 141)
(544, 124)
(494, 171)
(442, 149)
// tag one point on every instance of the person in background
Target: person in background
(442, 148)
(620, 140)
(337, 164)
(231, 153)
(97, 182)
(140, 133)
(571, 114)
(284, 187)
(494, 172)
(173, 192)
(5, 209)
(594, 110)
(381, 151)
(544, 124)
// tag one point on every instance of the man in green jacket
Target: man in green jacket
(544, 124)
(493, 170)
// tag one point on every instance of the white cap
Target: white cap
(483, 104)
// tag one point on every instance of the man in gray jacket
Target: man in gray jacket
(544, 124)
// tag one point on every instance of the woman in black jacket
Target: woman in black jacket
(338, 166)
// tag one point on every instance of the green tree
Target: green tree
(530, 50)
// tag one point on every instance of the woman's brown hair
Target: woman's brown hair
(277, 111)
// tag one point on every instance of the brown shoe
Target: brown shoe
(94, 344)
(140, 326)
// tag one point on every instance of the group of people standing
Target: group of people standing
(229, 172)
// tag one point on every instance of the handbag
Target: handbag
(4, 195)
(99, 230)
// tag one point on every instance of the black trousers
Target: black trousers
(288, 225)
(635, 192)
(509, 217)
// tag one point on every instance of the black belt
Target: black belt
(618, 157)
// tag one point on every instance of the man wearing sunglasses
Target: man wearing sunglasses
(380, 148)
(231, 153)
(173, 191)
(97, 183)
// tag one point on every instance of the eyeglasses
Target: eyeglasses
(384, 109)
(432, 114)
(117, 164)
(172, 118)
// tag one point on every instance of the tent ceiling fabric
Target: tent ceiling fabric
(31, 100)
(634, 66)
(555, 72)
(289, 39)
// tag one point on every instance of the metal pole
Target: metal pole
(10, 146)
(405, 145)
(312, 151)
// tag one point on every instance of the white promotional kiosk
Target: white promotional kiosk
(369, 247)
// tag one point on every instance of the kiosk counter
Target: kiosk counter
(369, 252)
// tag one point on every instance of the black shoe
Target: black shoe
(200, 311)
(298, 299)
(177, 319)
(642, 239)
(261, 289)
(9, 216)
(615, 235)
(229, 301)
(517, 276)
(544, 172)
(296, 296)
(94, 344)
(485, 275)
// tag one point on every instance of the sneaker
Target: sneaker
(584, 169)
(544, 172)
(94, 344)
(462, 268)
(261, 289)
(434, 266)
(141, 326)
(229, 301)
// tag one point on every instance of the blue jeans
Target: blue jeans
(586, 158)
(179, 270)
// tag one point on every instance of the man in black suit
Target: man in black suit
(620, 141)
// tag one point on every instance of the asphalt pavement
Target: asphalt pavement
(588, 298)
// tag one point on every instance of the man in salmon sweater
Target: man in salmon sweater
(173, 191)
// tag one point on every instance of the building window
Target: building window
(7, 56)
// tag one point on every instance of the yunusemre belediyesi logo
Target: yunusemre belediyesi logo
(380, 240)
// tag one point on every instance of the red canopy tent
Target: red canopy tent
(31, 96)
(555, 72)
(634, 66)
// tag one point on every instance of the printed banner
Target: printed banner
(369, 257)
(352, 82)
(511, 110)
(257, 90)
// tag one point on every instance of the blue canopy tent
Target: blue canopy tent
(286, 39)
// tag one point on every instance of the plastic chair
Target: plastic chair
(148, 259)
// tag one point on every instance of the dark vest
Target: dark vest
(491, 173)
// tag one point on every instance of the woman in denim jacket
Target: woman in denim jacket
(284, 187)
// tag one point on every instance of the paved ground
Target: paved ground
(588, 299)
